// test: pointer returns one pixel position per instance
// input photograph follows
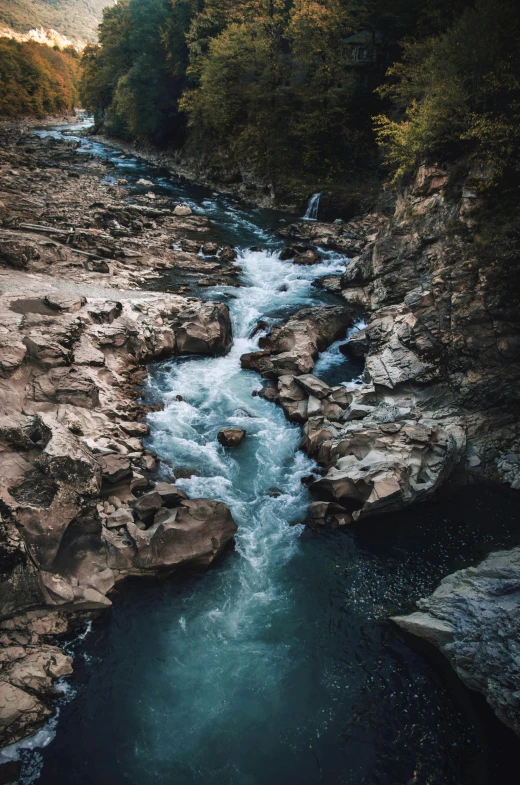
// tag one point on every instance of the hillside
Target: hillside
(72, 18)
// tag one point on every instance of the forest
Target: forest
(312, 91)
(37, 80)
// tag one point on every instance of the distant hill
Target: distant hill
(76, 19)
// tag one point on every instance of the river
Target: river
(279, 665)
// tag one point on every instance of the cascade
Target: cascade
(311, 214)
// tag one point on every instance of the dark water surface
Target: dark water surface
(280, 664)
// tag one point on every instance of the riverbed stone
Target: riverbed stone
(231, 437)
(182, 210)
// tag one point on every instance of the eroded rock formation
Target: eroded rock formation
(473, 617)
(293, 346)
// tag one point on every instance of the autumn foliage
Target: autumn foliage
(36, 80)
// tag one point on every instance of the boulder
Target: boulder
(64, 301)
(287, 252)
(104, 312)
(182, 210)
(293, 347)
(146, 506)
(114, 467)
(356, 346)
(358, 411)
(171, 495)
(231, 437)
(119, 518)
(65, 458)
(307, 257)
(473, 618)
(204, 328)
(313, 386)
(210, 249)
(228, 254)
(193, 534)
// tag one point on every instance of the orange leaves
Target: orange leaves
(36, 80)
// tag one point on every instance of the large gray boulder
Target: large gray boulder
(473, 617)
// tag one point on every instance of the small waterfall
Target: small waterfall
(312, 207)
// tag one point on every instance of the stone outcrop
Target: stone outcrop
(293, 346)
(473, 618)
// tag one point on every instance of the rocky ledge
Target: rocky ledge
(473, 617)
(79, 508)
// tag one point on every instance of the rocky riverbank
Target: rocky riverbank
(218, 171)
(79, 507)
(439, 399)
(442, 358)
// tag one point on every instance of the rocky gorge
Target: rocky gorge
(82, 503)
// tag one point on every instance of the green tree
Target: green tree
(456, 94)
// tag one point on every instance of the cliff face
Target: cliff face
(442, 349)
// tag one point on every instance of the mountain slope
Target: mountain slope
(72, 18)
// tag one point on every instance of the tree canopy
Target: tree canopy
(36, 79)
(314, 91)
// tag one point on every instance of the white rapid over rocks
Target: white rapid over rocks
(219, 641)
(260, 481)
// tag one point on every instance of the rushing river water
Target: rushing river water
(279, 665)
